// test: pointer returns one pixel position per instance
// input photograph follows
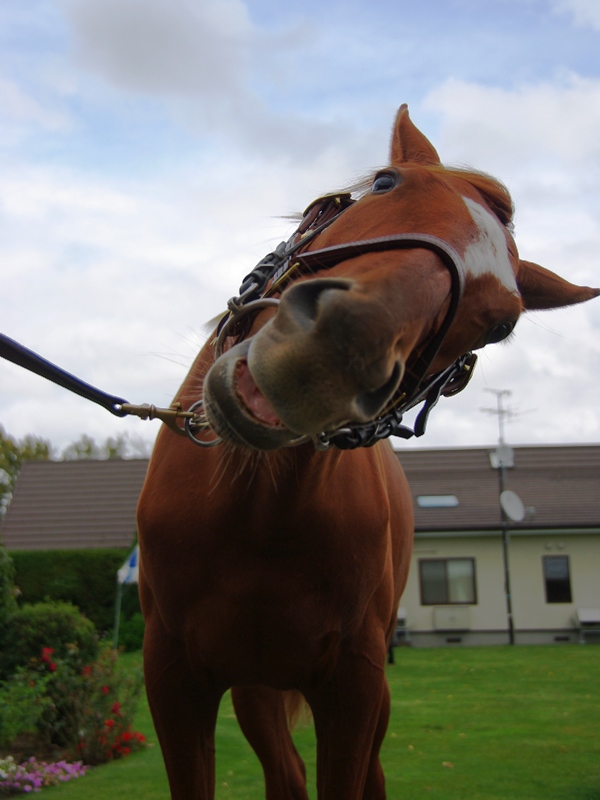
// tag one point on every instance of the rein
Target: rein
(269, 277)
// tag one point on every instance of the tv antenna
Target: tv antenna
(502, 411)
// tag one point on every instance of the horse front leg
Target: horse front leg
(184, 705)
(351, 713)
(375, 782)
(262, 717)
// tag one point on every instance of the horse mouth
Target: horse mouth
(251, 397)
(236, 409)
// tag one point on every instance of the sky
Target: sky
(151, 149)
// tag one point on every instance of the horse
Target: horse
(273, 562)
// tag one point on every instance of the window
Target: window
(437, 501)
(557, 579)
(447, 580)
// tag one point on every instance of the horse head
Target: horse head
(395, 288)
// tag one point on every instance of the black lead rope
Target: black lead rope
(22, 357)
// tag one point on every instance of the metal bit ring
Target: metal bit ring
(203, 425)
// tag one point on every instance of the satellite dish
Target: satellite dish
(512, 505)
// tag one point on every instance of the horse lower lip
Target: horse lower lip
(226, 409)
(252, 398)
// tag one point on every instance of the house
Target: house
(456, 587)
(464, 548)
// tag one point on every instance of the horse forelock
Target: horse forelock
(494, 192)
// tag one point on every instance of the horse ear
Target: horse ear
(409, 144)
(541, 288)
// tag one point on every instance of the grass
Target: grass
(485, 723)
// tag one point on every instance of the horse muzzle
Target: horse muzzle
(312, 367)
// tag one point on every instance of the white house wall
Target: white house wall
(535, 620)
(487, 615)
(531, 611)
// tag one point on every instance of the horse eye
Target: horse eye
(384, 182)
(500, 332)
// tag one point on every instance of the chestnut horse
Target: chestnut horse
(267, 568)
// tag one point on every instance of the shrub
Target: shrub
(92, 709)
(57, 625)
(131, 632)
(23, 700)
(73, 711)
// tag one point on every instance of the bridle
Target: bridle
(289, 261)
(270, 276)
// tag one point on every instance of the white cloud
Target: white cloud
(16, 106)
(524, 126)
(173, 46)
(585, 12)
(213, 70)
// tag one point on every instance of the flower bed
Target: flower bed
(32, 775)
(61, 711)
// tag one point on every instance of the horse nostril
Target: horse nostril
(369, 404)
(301, 302)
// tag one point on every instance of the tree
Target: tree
(13, 453)
(121, 446)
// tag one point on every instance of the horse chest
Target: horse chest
(283, 565)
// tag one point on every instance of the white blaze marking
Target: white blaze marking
(489, 254)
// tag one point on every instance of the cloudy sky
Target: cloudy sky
(150, 148)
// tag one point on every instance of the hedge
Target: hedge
(86, 578)
(7, 593)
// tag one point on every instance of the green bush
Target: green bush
(131, 632)
(23, 701)
(86, 578)
(69, 710)
(59, 626)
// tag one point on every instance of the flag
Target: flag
(129, 571)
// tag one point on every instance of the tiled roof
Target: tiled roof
(64, 505)
(85, 504)
(558, 485)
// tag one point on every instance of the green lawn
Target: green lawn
(494, 723)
